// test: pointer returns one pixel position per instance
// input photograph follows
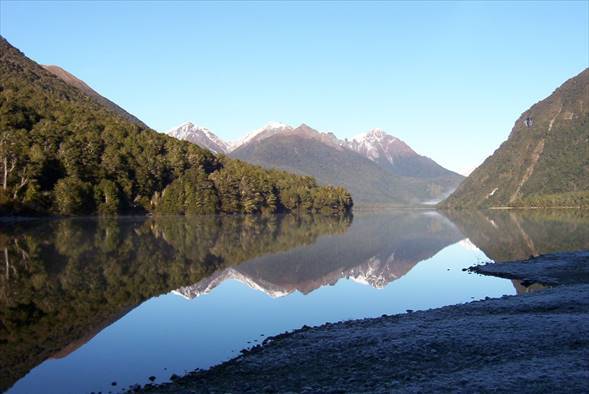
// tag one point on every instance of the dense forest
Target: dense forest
(62, 281)
(63, 152)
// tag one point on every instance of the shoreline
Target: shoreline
(529, 343)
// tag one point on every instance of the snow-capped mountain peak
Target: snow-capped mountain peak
(275, 125)
(371, 133)
(206, 285)
(200, 136)
(271, 128)
(376, 144)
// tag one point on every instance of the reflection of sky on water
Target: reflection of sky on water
(169, 334)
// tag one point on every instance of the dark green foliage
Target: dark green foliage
(545, 163)
(568, 200)
(73, 196)
(192, 193)
(240, 187)
(107, 197)
(67, 153)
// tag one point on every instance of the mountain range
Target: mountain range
(200, 136)
(375, 167)
(545, 160)
(73, 151)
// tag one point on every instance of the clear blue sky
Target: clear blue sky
(448, 78)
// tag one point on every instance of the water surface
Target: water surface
(88, 302)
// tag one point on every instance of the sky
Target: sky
(448, 78)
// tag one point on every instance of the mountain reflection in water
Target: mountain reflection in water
(63, 281)
(377, 250)
(505, 235)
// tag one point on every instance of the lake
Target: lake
(86, 302)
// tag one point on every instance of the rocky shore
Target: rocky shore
(535, 342)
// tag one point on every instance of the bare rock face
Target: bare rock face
(395, 156)
(376, 145)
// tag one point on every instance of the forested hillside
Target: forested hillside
(63, 152)
(545, 160)
(81, 85)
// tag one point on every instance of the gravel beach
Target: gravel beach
(534, 342)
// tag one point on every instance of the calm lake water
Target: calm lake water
(88, 302)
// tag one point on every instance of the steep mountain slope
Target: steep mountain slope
(397, 174)
(63, 152)
(545, 160)
(395, 155)
(81, 85)
(200, 136)
(270, 129)
(304, 151)
(332, 161)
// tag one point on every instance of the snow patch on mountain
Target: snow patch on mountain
(200, 136)
(270, 129)
(376, 144)
(206, 285)
(377, 271)
(467, 244)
